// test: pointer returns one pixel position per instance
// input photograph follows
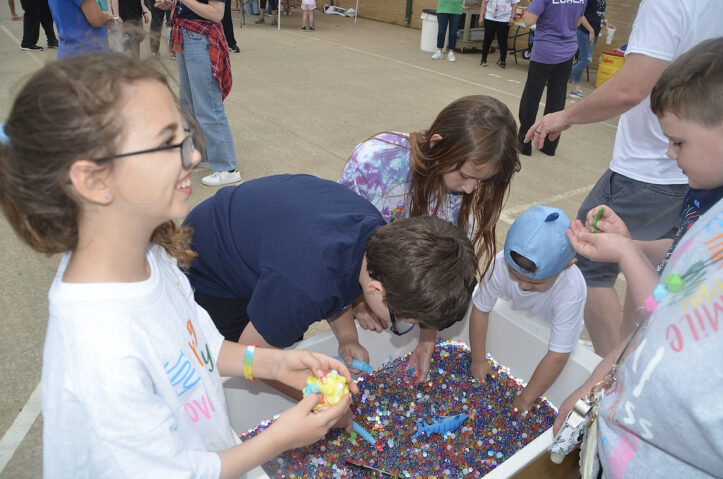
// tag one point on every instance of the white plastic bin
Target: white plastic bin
(513, 339)
(428, 43)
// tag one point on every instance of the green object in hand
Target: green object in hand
(596, 219)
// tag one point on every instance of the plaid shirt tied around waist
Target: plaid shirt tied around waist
(217, 48)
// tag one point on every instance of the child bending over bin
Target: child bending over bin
(277, 254)
(537, 273)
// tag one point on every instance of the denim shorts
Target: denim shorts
(650, 212)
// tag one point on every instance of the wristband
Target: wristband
(248, 362)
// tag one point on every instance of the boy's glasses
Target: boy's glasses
(394, 328)
(186, 147)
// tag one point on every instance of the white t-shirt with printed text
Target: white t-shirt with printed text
(130, 385)
(500, 10)
(663, 417)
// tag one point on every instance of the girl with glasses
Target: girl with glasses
(132, 366)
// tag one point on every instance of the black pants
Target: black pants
(502, 29)
(538, 75)
(37, 13)
(228, 24)
(229, 315)
(157, 17)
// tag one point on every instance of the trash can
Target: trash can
(428, 43)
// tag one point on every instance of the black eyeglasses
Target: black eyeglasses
(394, 328)
(186, 147)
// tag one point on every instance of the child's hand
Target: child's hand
(163, 4)
(294, 367)
(353, 350)
(300, 426)
(610, 222)
(607, 247)
(481, 369)
(421, 360)
(521, 405)
(366, 318)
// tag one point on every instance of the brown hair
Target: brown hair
(523, 262)
(692, 86)
(427, 268)
(476, 128)
(68, 111)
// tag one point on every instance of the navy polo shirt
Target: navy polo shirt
(292, 245)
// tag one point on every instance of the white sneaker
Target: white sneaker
(219, 178)
(437, 55)
(451, 57)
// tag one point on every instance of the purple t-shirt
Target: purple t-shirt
(555, 33)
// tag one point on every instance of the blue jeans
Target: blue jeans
(252, 7)
(584, 57)
(444, 21)
(201, 96)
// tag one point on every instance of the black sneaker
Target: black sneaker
(234, 48)
(483, 63)
(53, 45)
(502, 65)
(32, 48)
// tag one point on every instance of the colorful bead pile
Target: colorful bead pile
(388, 404)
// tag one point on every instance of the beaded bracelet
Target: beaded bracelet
(248, 362)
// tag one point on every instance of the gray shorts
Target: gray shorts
(650, 212)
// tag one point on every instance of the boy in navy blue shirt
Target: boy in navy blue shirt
(277, 254)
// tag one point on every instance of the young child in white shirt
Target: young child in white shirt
(537, 274)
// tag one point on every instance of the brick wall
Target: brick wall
(620, 13)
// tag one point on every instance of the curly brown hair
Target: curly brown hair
(65, 112)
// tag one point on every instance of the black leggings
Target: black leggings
(540, 75)
(229, 315)
(502, 29)
(227, 23)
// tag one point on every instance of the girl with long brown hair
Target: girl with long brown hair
(459, 170)
(466, 158)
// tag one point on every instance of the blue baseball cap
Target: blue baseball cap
(539, 235)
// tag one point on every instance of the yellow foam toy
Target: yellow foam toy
(333, 387)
